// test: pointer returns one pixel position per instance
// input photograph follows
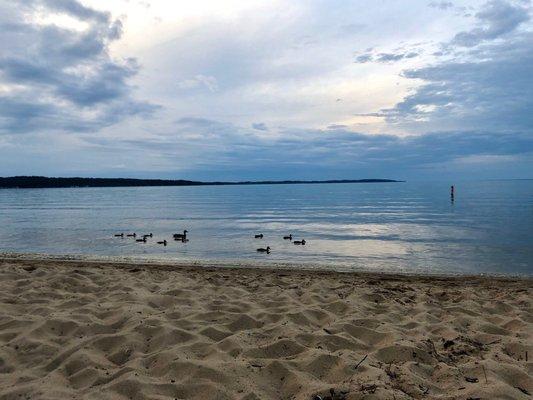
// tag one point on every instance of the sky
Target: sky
(249, 89)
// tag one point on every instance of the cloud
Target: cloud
(386, 58)
(57, 77)
(494, 93)
(364, 58)
(260, 126)
(442, 5)
(497, 18)
(232, 152)
(253, 92)
(69, 7)
(209, 82)
(373, 114)
(487, 86)
(337, 126)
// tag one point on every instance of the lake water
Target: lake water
(399, 227)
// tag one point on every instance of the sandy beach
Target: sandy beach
(97, 330)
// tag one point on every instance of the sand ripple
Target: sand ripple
(108, 331)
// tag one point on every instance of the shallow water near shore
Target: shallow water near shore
(408, 227)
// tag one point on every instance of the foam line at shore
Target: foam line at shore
(245, 264)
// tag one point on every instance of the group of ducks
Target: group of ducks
(267, 249)
(181, 237)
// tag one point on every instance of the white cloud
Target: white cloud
(199, 80)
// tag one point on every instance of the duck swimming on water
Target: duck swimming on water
(300, 242)
(260, 236)
(119, 235)
(261, 250)
(143, 240)
(180, 236)
(131, 234)
(288, 237)
(163, 242)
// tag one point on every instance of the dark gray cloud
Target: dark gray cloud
(386, 58)
(59, 78)
(70, 7)
(494, 93)
(497, 18)
(486, 86)
(391, 57)
(339, 144)
(231, 152)
(260, 126)
(364, 58)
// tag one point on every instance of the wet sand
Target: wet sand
(104, 330)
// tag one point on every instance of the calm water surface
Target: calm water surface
(403, 227)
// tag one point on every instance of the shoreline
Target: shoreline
(121, 331)
(248, 265)
(43, 182)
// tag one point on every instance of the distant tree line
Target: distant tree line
(27, 182)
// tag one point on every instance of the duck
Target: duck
(163, 242)
(141, 240)
(300, 242)
(131, 234)
(260, 236)
(180, 236)
(148, 236)
(261, 250)
(119, 235)
(288, 237)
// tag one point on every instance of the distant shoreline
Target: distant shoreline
(42, 182)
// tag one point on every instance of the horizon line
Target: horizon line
(35, 181)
